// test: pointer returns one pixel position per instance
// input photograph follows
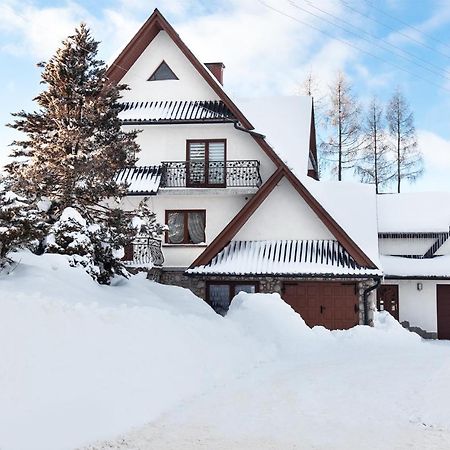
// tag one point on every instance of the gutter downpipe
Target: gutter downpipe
(366, 293)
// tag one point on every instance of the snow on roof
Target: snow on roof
(353, 207)
(286, 124)
(284, 257)
(141, 180)
(414, 212)
(176, 111)
(437, 267)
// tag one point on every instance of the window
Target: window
(220, 294)
(206, 163)
(163, 72)
(186, 227)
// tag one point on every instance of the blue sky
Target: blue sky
(268, 46)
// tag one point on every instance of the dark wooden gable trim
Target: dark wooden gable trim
(239, 220)
(154, 24)
(352, 248)
(338, 232)
(244, 214)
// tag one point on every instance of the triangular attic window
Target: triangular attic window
(163, 72)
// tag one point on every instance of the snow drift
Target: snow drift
(81, 362)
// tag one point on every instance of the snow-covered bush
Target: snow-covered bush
(20, 222)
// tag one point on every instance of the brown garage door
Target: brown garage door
(332, 305)
(443, 311)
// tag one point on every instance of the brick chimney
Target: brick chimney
(216, 69)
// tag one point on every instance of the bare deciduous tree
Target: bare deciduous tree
(340, 149)
(375, 166)
(407, 156)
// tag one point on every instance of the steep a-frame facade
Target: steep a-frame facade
(230, 182)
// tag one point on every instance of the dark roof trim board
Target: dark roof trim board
(416, 277)
(227, 234)
(338, 232)
(175, 111)
(332, 225)
(413, 235)
(156, 23)
(289, 277)
(238, 221)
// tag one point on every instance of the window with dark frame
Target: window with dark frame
(219, 294)
(186, 226)
(206, 163)
(163, 72)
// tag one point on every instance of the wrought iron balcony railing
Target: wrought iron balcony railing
(212, 174)
(143, 252)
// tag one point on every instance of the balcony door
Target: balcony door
(206, 163)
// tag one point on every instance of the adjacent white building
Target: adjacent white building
(415, 255)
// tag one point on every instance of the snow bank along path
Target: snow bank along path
(82, 362)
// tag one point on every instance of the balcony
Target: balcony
(212, 174)
(144, 252)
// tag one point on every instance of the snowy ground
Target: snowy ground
(81, 363)
(392, 397)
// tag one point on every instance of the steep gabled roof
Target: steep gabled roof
(156, 23)
(128, 57)
(253, 204)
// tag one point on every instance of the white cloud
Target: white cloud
(420, 32)
(264, 51)
(38, 31)
(436, 152)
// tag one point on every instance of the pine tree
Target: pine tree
(20, 222)
(73, 149)
(407, 156)
(374, 165)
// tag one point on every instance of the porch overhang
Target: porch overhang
(285, 258)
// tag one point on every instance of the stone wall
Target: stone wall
(178, 278)
(266, 285)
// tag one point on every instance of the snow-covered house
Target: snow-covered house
(235, 182)
(415, 254)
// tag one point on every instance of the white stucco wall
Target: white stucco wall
(444, 249)
(284, 215)
(189, 86)
(219, 211)
(168, 143)
(411, 246)
(419, 308)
